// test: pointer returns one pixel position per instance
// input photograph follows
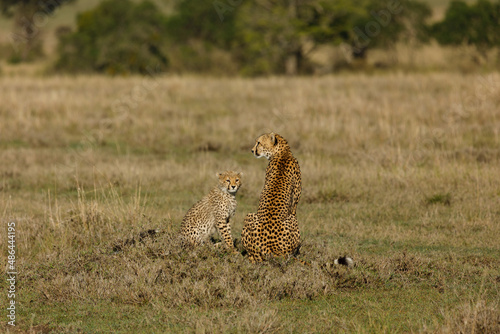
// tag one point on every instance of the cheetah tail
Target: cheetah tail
(344, 261)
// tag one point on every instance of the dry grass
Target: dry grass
(399, 171)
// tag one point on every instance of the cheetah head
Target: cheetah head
(266, 145)
(229, 181)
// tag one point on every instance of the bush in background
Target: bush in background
(383, 24)
(117, 37)
(249, 38)
(29, 19)
(200, 40)
(279, 37)
(221, 37)
(477, 24)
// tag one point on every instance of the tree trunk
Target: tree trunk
(26, 36)
(292, 62)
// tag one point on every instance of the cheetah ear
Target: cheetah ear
(240, 174)
(274, 140)
(218, 174)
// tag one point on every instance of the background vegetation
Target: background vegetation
(476, 24)
(254, 38)
(116, 37)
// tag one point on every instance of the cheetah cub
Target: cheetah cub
(212, 212)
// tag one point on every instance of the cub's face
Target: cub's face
(265, 146)
(229, 181)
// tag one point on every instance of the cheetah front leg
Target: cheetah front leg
(225, 232)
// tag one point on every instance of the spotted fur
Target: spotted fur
(213, 212)
(273, 230)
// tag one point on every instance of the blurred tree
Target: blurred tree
(201, 34)
(276, 36)
(384, 23)
(117, 37)
(257, 37)
(477, 24)
(201, 20)
(29, 18)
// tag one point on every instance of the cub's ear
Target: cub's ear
(218, 174)
(240, 174)
(274, 140)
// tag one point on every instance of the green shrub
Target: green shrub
(117, 37)
(384, 23)
(199, 20)
(277, 38)
(477, 24)
(201, 37)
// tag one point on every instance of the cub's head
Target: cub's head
(268, 144)
(229, 181)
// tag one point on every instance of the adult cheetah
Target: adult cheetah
(213, 212)
(274, 230)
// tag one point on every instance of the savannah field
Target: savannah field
(399, 171)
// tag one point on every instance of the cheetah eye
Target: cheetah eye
(237, 180)
(228, 180)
